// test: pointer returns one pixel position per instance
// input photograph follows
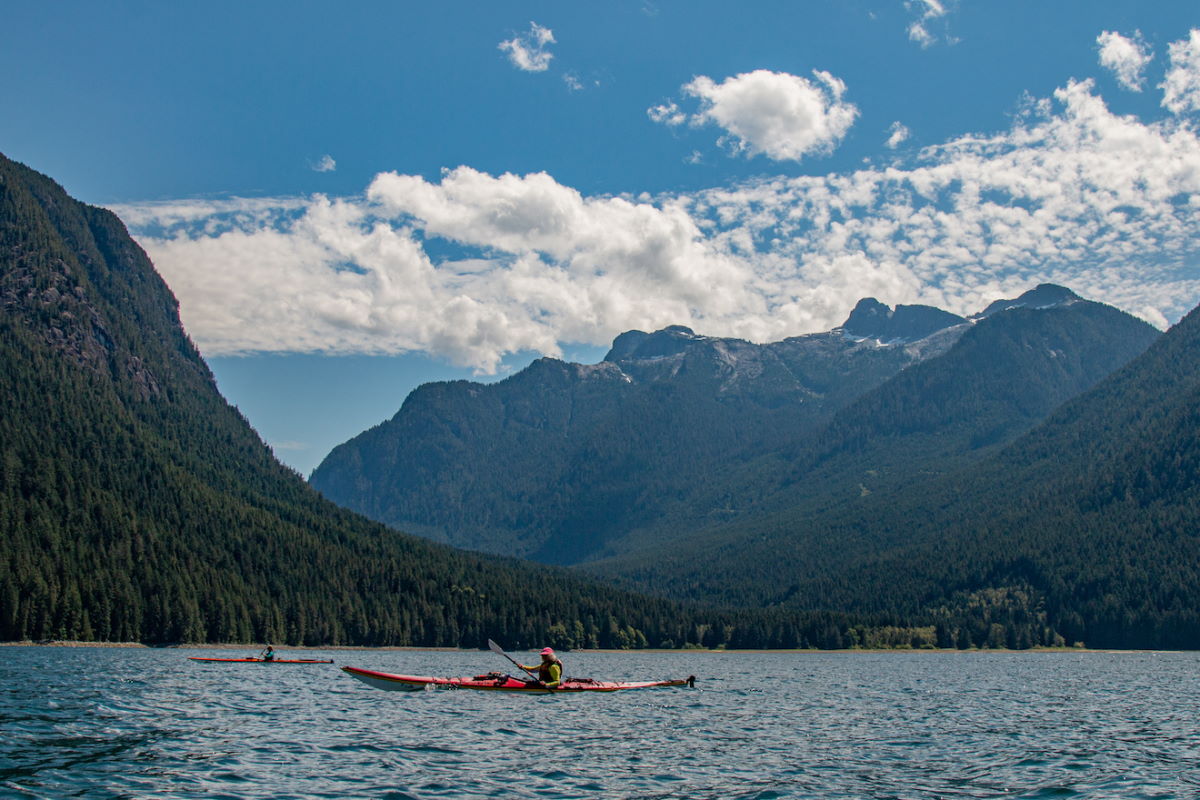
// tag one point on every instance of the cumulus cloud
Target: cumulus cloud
(343, 276)
(527, 51)
(897, 135)
(1071, 193)
(1126, 57)
(781, 116)
(325, 164)
(1181, 88)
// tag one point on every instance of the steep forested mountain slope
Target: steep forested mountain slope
(674, 433)
(135, 504)
(1001, 378)
(559, 459)
(1090, 520)
(1004, 376)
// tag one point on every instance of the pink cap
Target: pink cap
(547, 651)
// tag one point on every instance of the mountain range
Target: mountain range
(674, 433)
(1025, 476)
(1087, 521)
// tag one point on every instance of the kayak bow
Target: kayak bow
(263, 660)
(498, 682)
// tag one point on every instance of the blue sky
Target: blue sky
(349, 200)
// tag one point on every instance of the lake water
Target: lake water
(115, 723)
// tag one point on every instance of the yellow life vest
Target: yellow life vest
(550, 673)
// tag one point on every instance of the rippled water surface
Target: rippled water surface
(102, 723)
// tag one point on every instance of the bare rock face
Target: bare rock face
(904, 324)
(71, 277)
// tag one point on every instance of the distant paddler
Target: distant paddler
(549, 672)
(268, 654)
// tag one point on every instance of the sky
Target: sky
(349, 200)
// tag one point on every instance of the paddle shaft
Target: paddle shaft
(500, 651)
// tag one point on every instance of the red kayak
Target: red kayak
(263, 660)
(498, 682)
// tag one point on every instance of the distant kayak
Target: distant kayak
(498, 682)
(263, 660)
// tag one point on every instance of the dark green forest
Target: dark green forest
(888, 509)
(136, 505)
(1092, 520)
(674, 433)
(559, 461)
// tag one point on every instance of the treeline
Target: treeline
(136, 505)
(1093, 515)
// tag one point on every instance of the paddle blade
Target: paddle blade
(498, 650)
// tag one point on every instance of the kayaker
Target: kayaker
(268, 654)
(549, 671)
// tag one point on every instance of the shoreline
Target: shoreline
(404, 648)
(224, 646)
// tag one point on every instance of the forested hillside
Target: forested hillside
(674, 433)
(1087, 523)
(879, 494)
(136, 505)
(560, 459)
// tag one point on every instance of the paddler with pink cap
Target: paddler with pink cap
(549, 671)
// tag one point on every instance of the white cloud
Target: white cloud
(325, 164)
(1127, 58)
(1099, 202)
(1181, 88)
(897, 135)
(207, 217)
(781, 116)
(918, 33)
(528, 51)
(1072, 193)
(928, 13)
(667, 114)
(351, 275)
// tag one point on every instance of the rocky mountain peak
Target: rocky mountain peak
(871, 319)
(1046, 295)
(640, 346)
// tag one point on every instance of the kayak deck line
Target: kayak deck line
(499, 682)
(263, 660)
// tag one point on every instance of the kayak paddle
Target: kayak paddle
(497, 649)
